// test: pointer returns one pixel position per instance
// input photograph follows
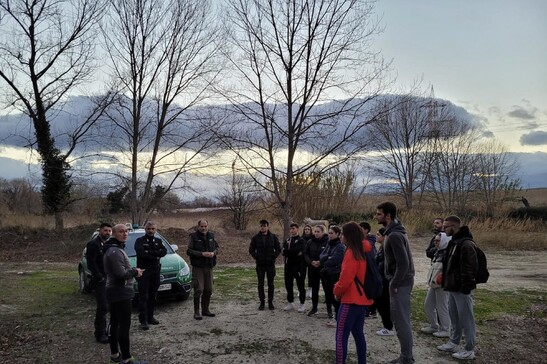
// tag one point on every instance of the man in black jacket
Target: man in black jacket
(202, 250)
(149, 252)
(94, 256)
(460, 269)
(295, 268)
(265, 249)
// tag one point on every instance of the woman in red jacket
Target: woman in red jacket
(351, 315)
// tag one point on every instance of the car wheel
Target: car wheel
(182, 296)
(82, 281)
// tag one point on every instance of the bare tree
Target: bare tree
(46, 50)
(291, 59)
(495, 173)
(162, 53)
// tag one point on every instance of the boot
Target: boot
(205, 300)
(197, 316)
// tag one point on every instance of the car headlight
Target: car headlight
(185, 270)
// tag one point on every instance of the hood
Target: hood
(334, 242)
(463, 233)
(444, 241)
(395, 227)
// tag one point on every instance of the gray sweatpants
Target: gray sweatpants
(400, 315)
(436, 309)
(462, 319)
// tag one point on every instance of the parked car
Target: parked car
(175, 275)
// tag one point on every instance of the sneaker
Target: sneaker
(302, 308)
(133, 361)
(464, 355)
(153, 321)
(441, 334)
(449, 347)
(144, 326)
(116, 360)
(103, 339)
(428, 330)
(261, 307)
(271, 306)
(312, 312)
(289, 307)
(331, 323)
(330, 315)
(385, 332)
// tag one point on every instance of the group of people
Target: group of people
(334, 259)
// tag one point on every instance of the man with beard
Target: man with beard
(149, 250)
(460, 270)
(202, 250)
(437, 228)
(94, 256)
(399, 271)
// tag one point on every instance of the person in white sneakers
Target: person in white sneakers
(436, 300)
(295, 268)
(459, 279)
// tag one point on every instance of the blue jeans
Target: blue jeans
(462, 320)
(351, 318)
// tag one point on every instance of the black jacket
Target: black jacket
(431, 250)
(265, 248)
(399, 266)
(294, 252)
(460, 266)
(119, 274)
(314, 247)
(199, 243)
(149, 251)
(94, 256)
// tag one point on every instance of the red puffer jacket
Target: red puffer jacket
(346, 288)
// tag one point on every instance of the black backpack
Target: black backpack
(482, 274)
(373, 284)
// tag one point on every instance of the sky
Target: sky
(489, 56)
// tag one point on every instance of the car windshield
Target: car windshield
(133, 236)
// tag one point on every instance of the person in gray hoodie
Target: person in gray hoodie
(399, 271)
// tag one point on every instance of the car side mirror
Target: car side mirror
(175, 247)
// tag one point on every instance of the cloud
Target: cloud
(534, 138)
(488, 134)
(519, 112)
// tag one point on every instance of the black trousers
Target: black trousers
(328, 281)
(382, 305)
(314, 279)
(269, 272)
(120, 322)
(292, 273)
(148, 286)
(102, 309)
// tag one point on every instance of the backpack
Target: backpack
(482, 274)
(373, 284)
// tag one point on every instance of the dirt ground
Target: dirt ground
(242, 334)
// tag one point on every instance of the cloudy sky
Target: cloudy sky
(488, 56)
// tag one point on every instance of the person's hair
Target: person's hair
(438, 218)
(453, 218)
(294, 225)
(321, 227)
(264, 222)
(105, 224)
(202, 220)
(308, 226)
(336, 229)
(354, 235)
(382, 231)
(365, 225)
(149, 223)
(388, 208)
